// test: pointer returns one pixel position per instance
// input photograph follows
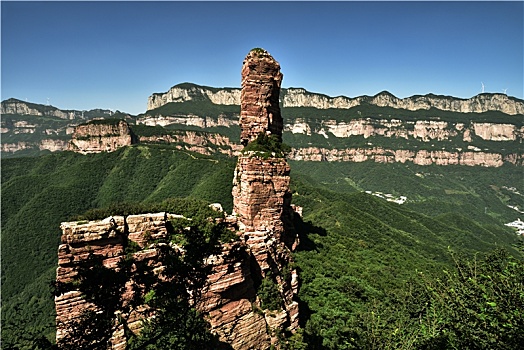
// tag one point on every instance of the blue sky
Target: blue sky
(84, 55)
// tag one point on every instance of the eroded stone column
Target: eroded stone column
(260, 110)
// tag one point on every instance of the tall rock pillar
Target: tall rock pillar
(259, 99)
(261, 195)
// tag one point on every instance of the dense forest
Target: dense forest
(440, 271)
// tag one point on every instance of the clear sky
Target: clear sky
(84, 55)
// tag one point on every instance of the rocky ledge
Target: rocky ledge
(101, 136)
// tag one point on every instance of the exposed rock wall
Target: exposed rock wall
(101, 137)
(424, 130)
(261, 195)
(229, 300)
(262, 205)
(259, 99)
(52, 145)
(419, 157)
(203, 143)
(299, 97)
(189, 120)
(191, 92)
(14, 106)
(209, 144)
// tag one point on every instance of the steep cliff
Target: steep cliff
(422, 142)
(191, 92)
(299, 97)
(420, 157)
(18, 107)
(31, 127)
(14, 106)
(196, 141)
(101, 136)
(228, 300)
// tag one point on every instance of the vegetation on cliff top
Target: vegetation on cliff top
(267, 146)
(106, 121)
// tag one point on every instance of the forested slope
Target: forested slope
(357, 254)
(40, 193)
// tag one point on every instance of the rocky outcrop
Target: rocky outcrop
(52, 145)
(18, 107)
(104, 239)
(229, 299)
(191, 92)
(194, 141)
(188, 120)
(259, 104)
(101, 136)
(424, 130)
(14, 106)
(261, 195)
(419, 157)
(299, 97)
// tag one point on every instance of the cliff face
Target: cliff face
(298, 97)
(199, 142)
(229, 300)
(18, 107)
(420, 157)
(14, 106)
(459, 139)
(190, 120)
(424, 130)
(101, 137)
(191, 92)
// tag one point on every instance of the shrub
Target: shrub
(267, 145)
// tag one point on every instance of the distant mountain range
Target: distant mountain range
(485, 130)
(299, 97)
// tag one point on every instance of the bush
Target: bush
(268, 145)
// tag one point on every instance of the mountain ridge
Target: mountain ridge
(300, 97)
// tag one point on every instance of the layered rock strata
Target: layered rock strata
(96, 137)
(299, 97)
(261, 195)
(229, 299)
(194, 141)
(259, 98)
(419, 157)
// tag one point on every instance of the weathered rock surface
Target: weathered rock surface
(259, 99)
(299, 97)
(52, 145)
(419, 157)
(14, 106)
(190, 92)
(229, 300)
(262, 205)
(18, 107)
(188, 120)
(203, 143)
(261, 195)
(425, 130)
(97, 137)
